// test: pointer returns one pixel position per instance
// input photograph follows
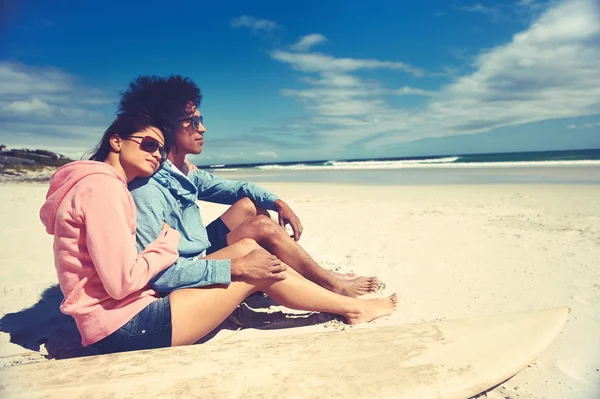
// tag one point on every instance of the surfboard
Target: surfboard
(451, 359)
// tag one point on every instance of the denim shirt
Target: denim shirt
(170, 196)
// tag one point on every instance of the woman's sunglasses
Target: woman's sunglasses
(196, 121)
(150, 145)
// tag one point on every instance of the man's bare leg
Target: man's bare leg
(245, 209)
(245, 220)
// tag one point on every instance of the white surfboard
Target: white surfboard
(446, 360)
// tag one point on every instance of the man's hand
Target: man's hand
(258, 264)
(287, 216)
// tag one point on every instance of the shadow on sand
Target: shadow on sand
(43, 323)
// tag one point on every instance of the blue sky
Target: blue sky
(287, 81)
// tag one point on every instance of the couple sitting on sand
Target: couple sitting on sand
(183, 279)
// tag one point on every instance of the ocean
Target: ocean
(551, 167)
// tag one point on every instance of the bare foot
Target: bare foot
(371, 309)
(355, 286)
(345, 276)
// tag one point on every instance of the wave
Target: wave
(437, 163)
(227, 170)
(299, 166)
(388, 164)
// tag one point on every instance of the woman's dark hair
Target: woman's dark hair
(125, 126)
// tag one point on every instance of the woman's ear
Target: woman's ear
(115, 143)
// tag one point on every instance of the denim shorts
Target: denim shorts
(149, 329)
(217, 235)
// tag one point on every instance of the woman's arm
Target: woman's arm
(109, 217)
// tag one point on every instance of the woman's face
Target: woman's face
(142, 153)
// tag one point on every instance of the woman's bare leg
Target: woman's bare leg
(195, 312)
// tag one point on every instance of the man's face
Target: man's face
(190, 136)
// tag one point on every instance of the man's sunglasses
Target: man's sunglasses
(196, 121)
(150, 145)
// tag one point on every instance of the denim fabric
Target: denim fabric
(217, 232)
(170, 197)
(151, 328)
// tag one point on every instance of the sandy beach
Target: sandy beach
(449, 251)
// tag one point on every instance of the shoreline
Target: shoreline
(568, 175)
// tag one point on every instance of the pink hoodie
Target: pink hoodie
(91, 214)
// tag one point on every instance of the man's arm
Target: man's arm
(216, 189)
(152, 210)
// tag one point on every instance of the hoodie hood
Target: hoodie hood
(63, 180)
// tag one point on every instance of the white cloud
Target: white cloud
(32, 107)
(318, 62)
(584, 126)
(255, 24)
(407, 91)
(309, 41)
(267, 154)
(480, 8)
(50, 108)
(333, 79)
(548, 71)
(531, 4)
(521, 10)
(18, 79)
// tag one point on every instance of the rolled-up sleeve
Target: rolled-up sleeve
(216, 189)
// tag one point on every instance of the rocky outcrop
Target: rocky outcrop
(28, 165)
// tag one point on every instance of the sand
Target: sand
(449, 251)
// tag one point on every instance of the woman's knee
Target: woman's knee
(248, 244)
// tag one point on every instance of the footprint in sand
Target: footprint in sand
(568, 367)
(590, 296)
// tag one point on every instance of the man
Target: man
(170, 197)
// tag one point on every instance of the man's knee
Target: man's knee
(265, 227)
(247, 206)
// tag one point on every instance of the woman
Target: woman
(105, 282)
(91, 214)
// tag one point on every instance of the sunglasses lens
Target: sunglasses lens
(196, 121)
(150, 146)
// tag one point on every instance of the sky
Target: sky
(287, 81)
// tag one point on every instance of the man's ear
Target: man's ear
(115, 143)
